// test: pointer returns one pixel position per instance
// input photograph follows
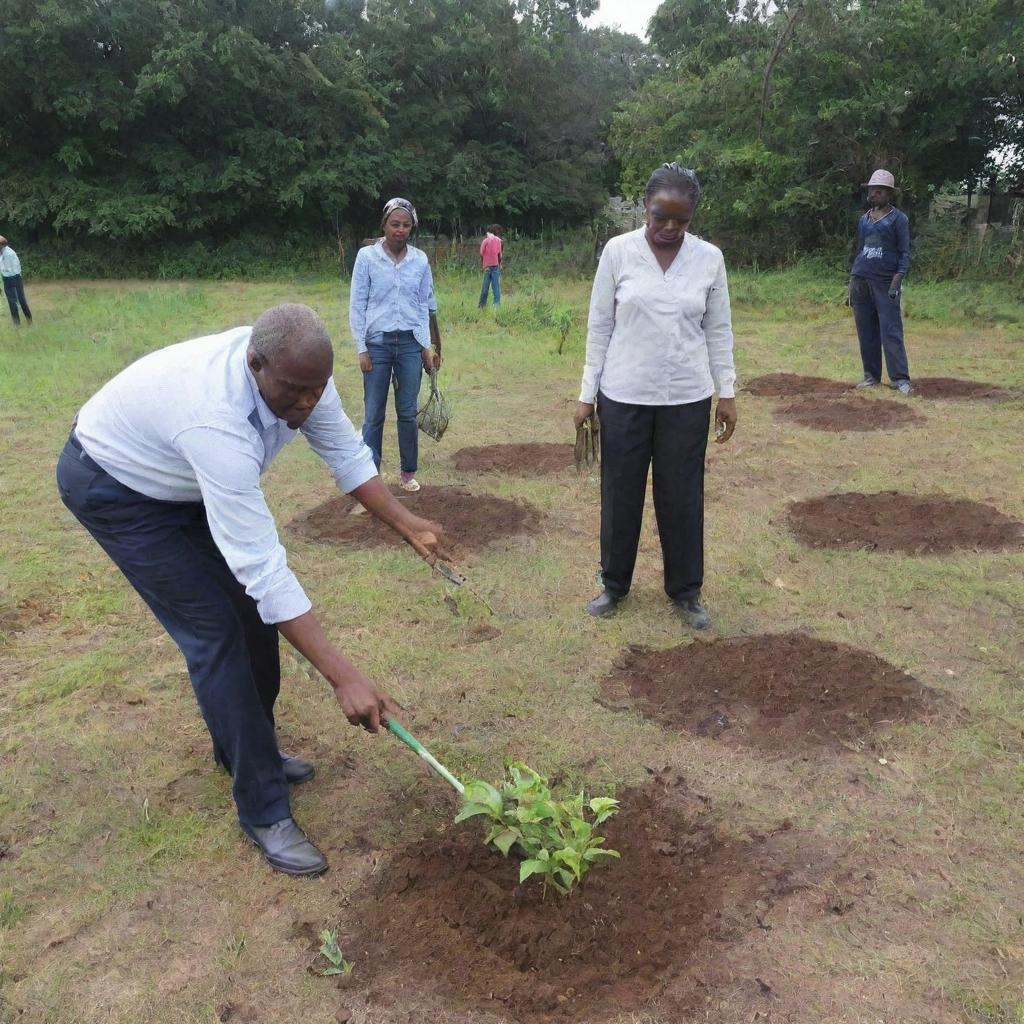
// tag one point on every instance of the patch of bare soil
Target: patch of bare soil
(448, 922)
(957, 388)
(527, 460)
(787, 385)
(890, 521)
(471, 521)
(846, 414)
(784, 691)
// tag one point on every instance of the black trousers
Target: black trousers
(674, 439)
(14, 290)
(168, 555)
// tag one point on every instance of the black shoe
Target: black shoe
(602, 605)
(693, 613)
(286, 847)
(297, 769)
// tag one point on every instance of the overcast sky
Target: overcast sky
(628, 15)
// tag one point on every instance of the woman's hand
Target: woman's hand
(725, 419)
(428, 359)
(365, 362)
(583, 411)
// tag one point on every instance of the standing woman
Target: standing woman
(659, 344)
(392, 289)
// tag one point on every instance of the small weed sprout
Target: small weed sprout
(329, 949)
(556, 838)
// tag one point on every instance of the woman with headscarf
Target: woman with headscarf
(389, 312)
(659, 344)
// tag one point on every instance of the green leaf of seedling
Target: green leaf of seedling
(570, 858)
(505, 840)
(581, 829)
(595, 854)
(603, 807)
(480, 792)
(471, 811)
(531, 867)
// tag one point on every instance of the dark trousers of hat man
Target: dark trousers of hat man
(163, 469)
(881, 261)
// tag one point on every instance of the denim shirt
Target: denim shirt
(388, 296)
(884, 246)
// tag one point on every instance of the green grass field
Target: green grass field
(126, 892)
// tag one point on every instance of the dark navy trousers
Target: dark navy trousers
(673, 440)
(879, 328)
(167, 553)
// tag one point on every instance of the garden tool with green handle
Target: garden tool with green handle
(414, 744)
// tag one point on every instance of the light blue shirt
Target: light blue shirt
(188, 423)
(10, 265)
(388, 296)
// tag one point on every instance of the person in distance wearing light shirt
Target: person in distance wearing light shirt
(390, 315)
(659, 344)
(163, 468)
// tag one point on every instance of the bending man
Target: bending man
(163, 469)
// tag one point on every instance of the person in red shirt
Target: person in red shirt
(490, 260)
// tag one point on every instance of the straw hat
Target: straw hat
(881, 177)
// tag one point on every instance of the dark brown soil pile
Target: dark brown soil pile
(786, 385)
(470, 521)
(533, 459)
(843, 414)
(449, 923)
(779, 692)
(954, 387)
(890, 521)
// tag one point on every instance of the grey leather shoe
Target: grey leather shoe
(602, 605)
(693, 613)
(297, 769)
(286, 847)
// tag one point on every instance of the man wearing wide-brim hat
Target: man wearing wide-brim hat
(882, 261)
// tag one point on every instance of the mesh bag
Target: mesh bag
(433, 417)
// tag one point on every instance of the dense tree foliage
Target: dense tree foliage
(147, 120)
(785, 107)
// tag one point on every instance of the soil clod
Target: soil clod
(471, 522)
(788, 385)
(527, 460)
(890, 521)
(783, 691)
(845, 414)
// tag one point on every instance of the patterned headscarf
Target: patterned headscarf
(400, 204)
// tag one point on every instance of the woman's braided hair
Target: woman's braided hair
(674, 178)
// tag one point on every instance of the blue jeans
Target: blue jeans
(879, 327)
(492, 279)
(168, 555)
(397, 354)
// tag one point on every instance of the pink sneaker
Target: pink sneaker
(408, 482)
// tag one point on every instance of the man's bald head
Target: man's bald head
(291, 331)
(290, 356)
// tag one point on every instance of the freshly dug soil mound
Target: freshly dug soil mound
(845, 414)
(954, 387)
(780, 692)
(784, 385)
(533, 459)
(471, 521)
(449, 922)
(890, 521)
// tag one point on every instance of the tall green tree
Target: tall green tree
(137, 119)
(785, 108)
